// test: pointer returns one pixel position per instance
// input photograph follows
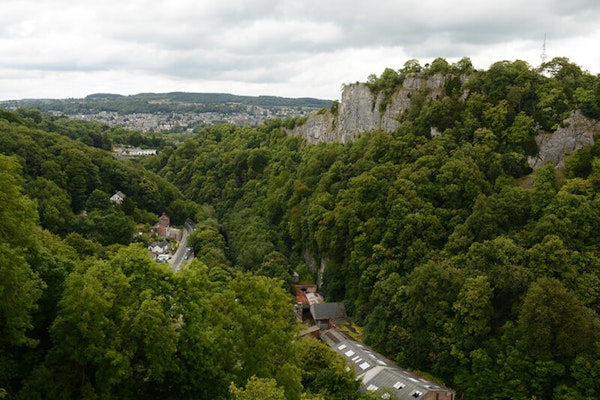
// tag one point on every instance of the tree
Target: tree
(98, 200)
(324, 372)
(554, 325)
(411, 66)
(459, 182)
(52, 204)
(20, 286)
(587, 102)
(521, 134)
(502, 261)
(258, 160)
(432, 289)
(113, 227)
(463, 66)
(275, 265)
(474, 311)
(81, 174)
(545, 188)
(261, 331)
(205, 354)
(113, 335)
(18, 213)
(179, 210)
(551, 259)
(563, 70)
(258, 388)
(439, 66)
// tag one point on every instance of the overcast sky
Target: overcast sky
(292, 48)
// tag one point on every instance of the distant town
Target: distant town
(188, 122)
(176, 112)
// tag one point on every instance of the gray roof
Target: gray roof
(377, 372)
(162, 244)
(334, 311)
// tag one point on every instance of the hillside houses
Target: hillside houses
(131, 152)
(117, 198)
(163, 229)
(160, 251)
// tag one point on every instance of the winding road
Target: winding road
(188, 227)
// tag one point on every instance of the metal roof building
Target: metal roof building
(325, 313)
(381, 375)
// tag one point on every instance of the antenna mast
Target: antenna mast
(543, 56)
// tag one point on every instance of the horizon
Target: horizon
(159, 93)
(58, 49)
(148, 92)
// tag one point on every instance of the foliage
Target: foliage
(258, 388)
(432, 243)
(66, 178)
(452, 253)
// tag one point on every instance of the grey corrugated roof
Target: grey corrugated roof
(377, 372)
(328, 311)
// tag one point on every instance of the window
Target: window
(399, 385)
(416, 394)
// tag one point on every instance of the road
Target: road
(179, 255)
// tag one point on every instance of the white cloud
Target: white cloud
(60, 48)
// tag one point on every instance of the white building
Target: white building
(117, 198)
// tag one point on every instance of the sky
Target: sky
(289, 48)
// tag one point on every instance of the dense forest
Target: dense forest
(455, 257)
(86, 313)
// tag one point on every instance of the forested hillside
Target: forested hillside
(455, 256)
(453, 253)
(86, 313)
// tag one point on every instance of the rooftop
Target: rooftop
(377, 373)
(334, 311)
(307, 294)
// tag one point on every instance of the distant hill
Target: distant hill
(163, 102)
(214, 98)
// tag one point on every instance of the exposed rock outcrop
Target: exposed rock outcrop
(577, 132)
(362, 111)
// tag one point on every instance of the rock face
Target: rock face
(577, 132)
(360, 110)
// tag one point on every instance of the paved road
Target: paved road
(179, 255)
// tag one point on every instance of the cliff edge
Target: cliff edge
(361, 110)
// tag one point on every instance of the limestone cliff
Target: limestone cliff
(575, 133)
(362, 111)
